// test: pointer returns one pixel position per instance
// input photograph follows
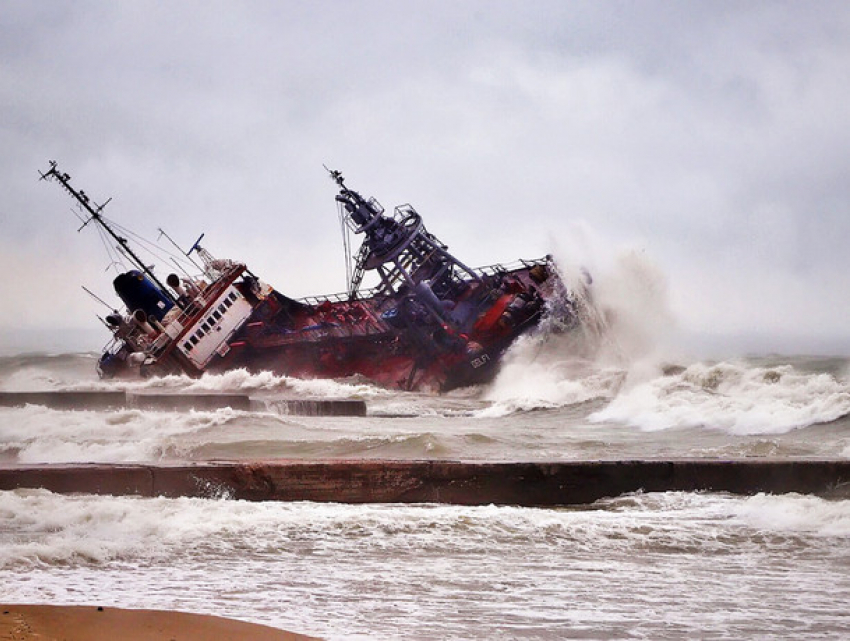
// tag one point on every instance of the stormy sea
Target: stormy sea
(646, 565)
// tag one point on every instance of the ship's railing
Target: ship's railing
(113, 346)
(488, 270)
(499, 268)
(403, 212)
(341, 297)
(376, 210)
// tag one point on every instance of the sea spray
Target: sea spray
(633, 298)
(624, 317)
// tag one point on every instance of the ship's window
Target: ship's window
(232, 296)
(200, 333)
(194, 340)
(222, 308)
(228, 303)
(217, 315)
(206, 325)
(188, 346)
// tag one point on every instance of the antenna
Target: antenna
(197, 244)
(336, 176)
(186, 254)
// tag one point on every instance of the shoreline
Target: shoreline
(25, 622)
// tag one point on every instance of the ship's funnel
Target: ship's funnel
(138, 292)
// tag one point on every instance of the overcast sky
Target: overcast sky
(711, 138)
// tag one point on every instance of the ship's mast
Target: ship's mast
(80, 196)
(399, 248)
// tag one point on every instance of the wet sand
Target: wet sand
(94, 623)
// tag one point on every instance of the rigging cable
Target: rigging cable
(156, 251)
(346, 245)
(115, 257)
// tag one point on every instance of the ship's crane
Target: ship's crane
(399, 248)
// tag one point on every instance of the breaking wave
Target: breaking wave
(536, 376)
(735, 397)
(241, 380)
(629, 373)
(30, 372)
(76, 372)
(624, 317)
(35, 434)
(44, 529)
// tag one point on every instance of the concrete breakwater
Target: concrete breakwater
(106, 400)
(454, 482)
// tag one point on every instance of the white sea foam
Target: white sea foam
(535, 376)
(734, 397)
(625, 316)
(244, 381)
(41, 435)
(366, 571)
(240, 380)
(42, 527)
(796, 514)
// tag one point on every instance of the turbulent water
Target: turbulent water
(651, 566)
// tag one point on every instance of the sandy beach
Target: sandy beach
(95, 623)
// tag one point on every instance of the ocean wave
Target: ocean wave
(35, 434)
(312, 444)
(240, 380)
(625, 315)
(544, 372)
(735, 397)
(31, 372)
(545, 388)
(796, 514)
(76, 372)
(44, 529)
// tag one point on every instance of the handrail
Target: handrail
(488, 270)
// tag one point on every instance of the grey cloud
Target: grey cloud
(712, 135)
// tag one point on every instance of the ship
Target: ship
(431, 323)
